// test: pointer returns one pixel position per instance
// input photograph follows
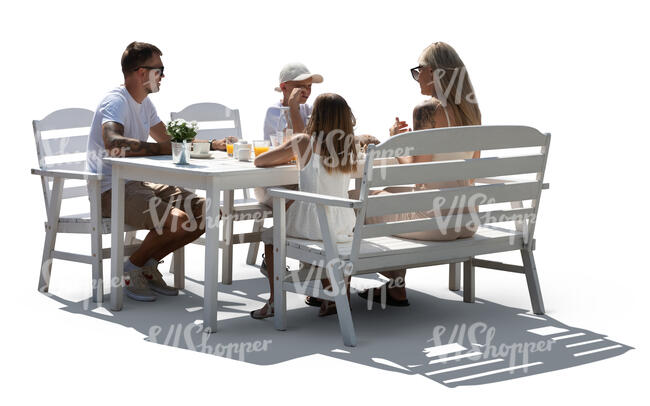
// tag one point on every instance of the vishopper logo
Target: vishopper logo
(320, 270)
(479, 332)
(183, 336)
(350, 151)
(160, 211)
(444, 213)
(190, 224)
(97, 156)
(458, 76)
(458, 205)
(398, 282)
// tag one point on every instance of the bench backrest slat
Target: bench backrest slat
(444, 222)
(450, 198)
(455, 170)
(460, 139)
(447, 143)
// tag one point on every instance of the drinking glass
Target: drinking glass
(260, 147)
(229, 147)
(277, 139)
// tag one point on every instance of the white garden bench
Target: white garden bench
(374, 248)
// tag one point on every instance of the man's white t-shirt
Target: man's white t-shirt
(275, 121)
(119, 106)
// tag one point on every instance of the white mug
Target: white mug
(201, 148)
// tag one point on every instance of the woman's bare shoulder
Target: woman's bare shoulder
(444, 116)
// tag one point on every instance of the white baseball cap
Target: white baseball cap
(295, 72)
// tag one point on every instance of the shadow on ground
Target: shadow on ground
(448, 341)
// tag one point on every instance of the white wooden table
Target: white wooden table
(211, 175)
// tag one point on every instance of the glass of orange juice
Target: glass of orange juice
(261, 146)
(229, 147)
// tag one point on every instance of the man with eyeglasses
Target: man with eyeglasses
(123, 122)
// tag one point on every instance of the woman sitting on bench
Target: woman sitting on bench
(443, 76)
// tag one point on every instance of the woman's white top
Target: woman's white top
(302, 217)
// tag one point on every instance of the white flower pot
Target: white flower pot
(181, 152)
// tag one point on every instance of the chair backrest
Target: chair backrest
(61, 139)
(213, 116)
(506, 141)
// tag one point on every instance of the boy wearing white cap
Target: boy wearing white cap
(295, 85)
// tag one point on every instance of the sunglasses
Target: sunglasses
(415, 72)
(157, 69)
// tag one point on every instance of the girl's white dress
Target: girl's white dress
(302, 217)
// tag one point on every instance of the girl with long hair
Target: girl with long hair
(327, 158)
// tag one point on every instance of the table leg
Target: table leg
(178, 267)
(117, 240)
(211, 256)
(226, 264)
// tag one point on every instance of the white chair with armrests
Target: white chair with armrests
(59, 162)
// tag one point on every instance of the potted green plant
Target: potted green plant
(182, 133)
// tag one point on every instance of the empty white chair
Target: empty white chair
(245, 209)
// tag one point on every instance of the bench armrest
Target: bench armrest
(491, 181)
(67, 174)
(314, 198)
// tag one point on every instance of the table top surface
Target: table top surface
(220, 163)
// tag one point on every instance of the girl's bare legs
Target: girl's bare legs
(268, 258)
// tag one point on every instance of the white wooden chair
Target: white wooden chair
(375, 248)
(247, 208)
(72, 138)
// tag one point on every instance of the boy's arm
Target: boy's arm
(294, 111)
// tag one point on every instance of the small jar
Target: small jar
(244, 152)
(235, 148)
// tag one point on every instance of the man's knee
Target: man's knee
(195, 223)
(176, 220)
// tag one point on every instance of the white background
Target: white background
(577, 70)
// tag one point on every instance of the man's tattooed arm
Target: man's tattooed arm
(118, 145)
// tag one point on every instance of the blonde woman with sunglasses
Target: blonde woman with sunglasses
(442, 75)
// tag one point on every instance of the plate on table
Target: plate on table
(201, 156)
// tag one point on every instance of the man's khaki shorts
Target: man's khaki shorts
(147, 205)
